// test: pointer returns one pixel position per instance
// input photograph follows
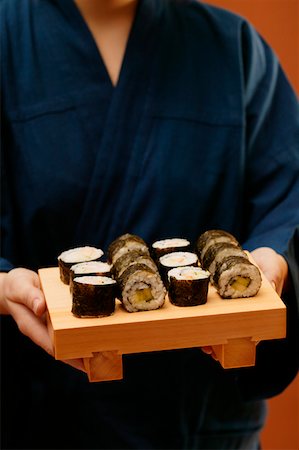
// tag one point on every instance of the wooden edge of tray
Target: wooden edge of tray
(231, 327)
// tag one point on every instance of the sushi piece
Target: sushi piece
(93, 296)
(212, 237)
(132, 257)
(232, 274)
(175, 259)
(188, 286)
(74, 256)
(89, 268)
(140, 284)
(124, 244)
(217, 252)
(141, 288)
(160, 248)
(237, 277)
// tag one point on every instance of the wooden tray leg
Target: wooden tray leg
(238, 352)
(104, 366)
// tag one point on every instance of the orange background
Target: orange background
(278, 22)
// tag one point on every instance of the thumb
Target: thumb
(271, 277)
(23, 287)
(273, 266)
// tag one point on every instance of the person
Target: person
(162, 119)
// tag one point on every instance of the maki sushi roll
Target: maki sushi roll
(232, 274)
(130, 258)
(140, 284)
(188, 286)
(93, 296)
(217, 252)
(237, 277)
(175, 259)
(124, 244)
(74, 256)
(160, 248)
(141, 288)
(212, 237)
(90, 268)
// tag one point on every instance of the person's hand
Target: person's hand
(275, 269)
(22, 298)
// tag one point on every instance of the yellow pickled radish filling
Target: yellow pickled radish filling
(142, 295)
(240, 283)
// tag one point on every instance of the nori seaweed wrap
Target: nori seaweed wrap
(212, 237)
(124, 244)
(93, 296)
(188, 286)
(74, 256)
(232, 274)
(132, 257)
(175, 259)
(218, 251)
(160, 248)
(89, 268)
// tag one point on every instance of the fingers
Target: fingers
(209, 351)
(23, 286)
(76, 363)
(273, 284)
(25, 301)
(273, 266)
(274, 276)
(35, 328)
(31, 326)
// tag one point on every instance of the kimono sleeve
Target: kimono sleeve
(5, 265)
(272, 200)
(272, 155)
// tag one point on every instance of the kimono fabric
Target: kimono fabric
(200, 132)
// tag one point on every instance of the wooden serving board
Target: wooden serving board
(232, 327)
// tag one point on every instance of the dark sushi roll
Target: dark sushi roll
(93, 296)
(90, 268)
(212, 237)
(124, 244)
(130, 258)
(160, 248)
(188, 286)
(141, 288)
(74, 256)
(237, 277)
(217, 252)
(175, 259)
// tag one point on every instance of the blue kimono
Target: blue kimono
(201, 132)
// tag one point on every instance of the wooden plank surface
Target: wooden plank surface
(218, 322)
